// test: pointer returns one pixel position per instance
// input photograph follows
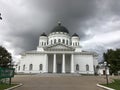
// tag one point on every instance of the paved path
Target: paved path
(36, 82)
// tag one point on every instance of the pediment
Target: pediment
(59, 47)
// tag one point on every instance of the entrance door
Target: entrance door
(59, 68)
(104, 72)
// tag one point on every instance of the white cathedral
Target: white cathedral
(58, 52)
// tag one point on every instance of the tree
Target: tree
(5, 57)
(112, 57)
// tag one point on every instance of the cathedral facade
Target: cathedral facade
(58, 52)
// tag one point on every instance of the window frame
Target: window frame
(30, 67)
(87, 67)
(24, 67)
(77, 67)
(41, 67)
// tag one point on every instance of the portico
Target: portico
(60, 63)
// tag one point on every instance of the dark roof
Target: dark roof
(60, 28)
(75, 35)
(43, 34)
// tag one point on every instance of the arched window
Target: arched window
(73, 44)
(76, 43)
(77, 67)
(54, 41)
(51, 41)
(23, 67)
(87, 67)
(19, 68)
(59, 40)
(40, 67)
(30, 67)
(63, 41)
(67, 42)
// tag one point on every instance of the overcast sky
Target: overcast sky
(96, 21)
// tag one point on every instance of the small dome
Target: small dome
(60, 28)
(43, 34)
(75, 35)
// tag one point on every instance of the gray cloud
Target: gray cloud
(28, 26)
(27, 19)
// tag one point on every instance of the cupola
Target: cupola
(60, 28)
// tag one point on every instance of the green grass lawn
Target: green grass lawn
(5, 86)
(115, 85)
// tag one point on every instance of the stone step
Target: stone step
(56, 75)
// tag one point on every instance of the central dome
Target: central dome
(60, 28)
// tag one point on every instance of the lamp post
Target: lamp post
(106, 67)
(105, 64)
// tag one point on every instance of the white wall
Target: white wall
(83, 60)
(36, 60)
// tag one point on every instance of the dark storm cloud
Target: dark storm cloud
(71, 13)
(29, 26)
(115, 7)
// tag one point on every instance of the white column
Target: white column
(46, 63)
(63, 63)
(72, 63)
(54, 63)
